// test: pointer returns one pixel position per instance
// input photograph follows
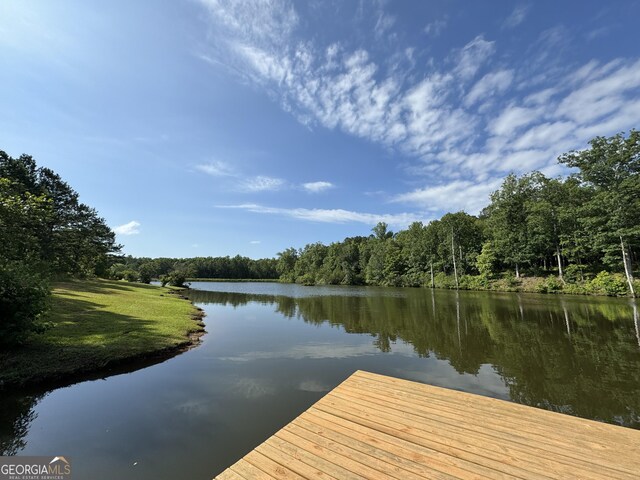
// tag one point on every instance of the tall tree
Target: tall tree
(611, 166)
(507, 221)
(546, 222)
(71, 238)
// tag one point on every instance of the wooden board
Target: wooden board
(378, 427)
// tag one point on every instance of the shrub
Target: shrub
(444, 281)
(549, 285)
(574, 273)
(176, 278)
(474, 282)
(23, 300)
(306, 279)
(144, 277)
(609, 284)
(509, 279)
(130, 275)
(575, 289)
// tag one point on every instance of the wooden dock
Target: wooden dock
(373, 426)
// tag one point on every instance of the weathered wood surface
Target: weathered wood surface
(373, 426)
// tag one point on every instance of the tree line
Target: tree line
(176, 271)
(45, 233)
(581, 233)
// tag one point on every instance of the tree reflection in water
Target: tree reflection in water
(577, 355)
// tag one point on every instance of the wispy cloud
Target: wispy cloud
(131, 228)
(517, 16)
(238, 182)
(491, 84)
(330, 215)
(459, 195)
(472, 56)
(255, 242)
(435, 28)
(316, 187)
(471, 116)
(216, 169)
(262, 183)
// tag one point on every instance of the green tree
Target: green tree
(286, 264)
(23, 301)
(461, 241)
(611, 166)
(44, 231)
(378, 244)
(506, 218)
(486, 261)
(71, 239)
(309, 263)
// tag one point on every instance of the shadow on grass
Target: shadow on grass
(86, 342)
(87, 338)
(102, 286)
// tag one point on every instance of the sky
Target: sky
(215, 127)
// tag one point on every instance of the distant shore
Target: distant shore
(103, 327)
(603, 284)
(264, 280)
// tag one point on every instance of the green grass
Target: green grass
(101, 324)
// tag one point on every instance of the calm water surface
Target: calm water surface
(272, 350)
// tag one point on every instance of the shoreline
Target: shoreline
(534, 285)
(234, 280)
(85, 368)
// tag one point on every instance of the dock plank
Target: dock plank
(374, 426)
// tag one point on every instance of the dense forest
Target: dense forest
(45, 233)
(580, 233)
(176, 271)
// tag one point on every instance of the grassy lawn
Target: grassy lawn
(98, 324)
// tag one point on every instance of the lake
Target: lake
(274, 349)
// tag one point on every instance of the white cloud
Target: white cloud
(330, 215)
(491, 84)
(544, 134)
(601, 95)
(516, 17)
(316, 187)
(512, 118)
(255, 242)
(216, 169)
(515, 116)
(435, 28)
(266, 21)
(458, 195)
(131, 228)
(472, 56)
(262, 183)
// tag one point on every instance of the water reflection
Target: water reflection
(576, 355)
(16, 415)
(272, 350)
(635, 321)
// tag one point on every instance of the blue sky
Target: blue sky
(210, 127)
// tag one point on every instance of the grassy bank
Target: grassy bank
(98, 325)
